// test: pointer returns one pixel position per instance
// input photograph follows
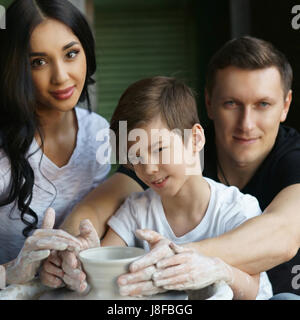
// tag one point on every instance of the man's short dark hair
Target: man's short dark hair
(249, 53)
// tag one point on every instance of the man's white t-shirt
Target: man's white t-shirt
(58, 187)
(227, 209)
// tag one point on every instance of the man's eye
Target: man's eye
(229, 103)
(264, 104)
(38, 62)
(72, 54)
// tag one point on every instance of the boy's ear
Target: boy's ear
(198, 137)
(208, 104)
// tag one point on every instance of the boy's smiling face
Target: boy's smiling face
(160, 158)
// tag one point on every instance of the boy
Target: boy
(180, 204)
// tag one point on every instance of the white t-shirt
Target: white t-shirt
(227, 209)
(61, 188)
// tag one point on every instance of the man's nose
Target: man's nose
(247, 119)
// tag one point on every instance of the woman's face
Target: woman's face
(58, 66)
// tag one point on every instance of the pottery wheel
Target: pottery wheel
(65, 294)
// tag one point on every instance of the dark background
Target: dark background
(179, 41)
(266, 19)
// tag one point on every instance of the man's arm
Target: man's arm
(261, 242)
(101, 203)
(244, 286)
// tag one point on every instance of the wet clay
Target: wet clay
(103, 265)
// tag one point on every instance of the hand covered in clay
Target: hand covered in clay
(138, 282)
(2, 277)
(64, 267)
(36, 248)
(189, 270)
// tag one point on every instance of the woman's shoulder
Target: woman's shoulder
(90, 120)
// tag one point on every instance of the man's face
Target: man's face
(247, 107)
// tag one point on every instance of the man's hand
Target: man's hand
(138, 282)
(189, 270)
(37, 247)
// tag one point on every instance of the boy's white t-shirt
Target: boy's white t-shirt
(61, 188)
(227, 209)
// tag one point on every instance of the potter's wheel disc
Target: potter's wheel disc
(65, 294)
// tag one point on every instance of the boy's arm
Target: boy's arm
(111, 238)
(101, 203)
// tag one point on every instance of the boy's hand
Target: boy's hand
(138, 282)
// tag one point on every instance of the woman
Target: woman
(47, 146)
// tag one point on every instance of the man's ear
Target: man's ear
(198, 137)
(286, 108)
(208, 104)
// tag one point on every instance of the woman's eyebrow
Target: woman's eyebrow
(69, 45)
(43, 54)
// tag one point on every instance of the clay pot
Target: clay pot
(103, 265)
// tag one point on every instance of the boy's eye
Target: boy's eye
(159, 150)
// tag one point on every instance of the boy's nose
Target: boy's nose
(150, 168)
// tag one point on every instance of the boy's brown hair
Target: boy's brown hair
(148, 98)
(249, 53)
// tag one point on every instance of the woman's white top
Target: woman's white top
(60, 188)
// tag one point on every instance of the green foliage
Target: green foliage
(5, 3)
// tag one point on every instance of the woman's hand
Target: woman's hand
(37, 248)
(189, 270)
(2, 277)
(64, 267)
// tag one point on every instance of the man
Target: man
(248, 95)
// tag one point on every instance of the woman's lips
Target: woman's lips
(63, 94)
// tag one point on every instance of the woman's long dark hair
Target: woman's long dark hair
(18, 120)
